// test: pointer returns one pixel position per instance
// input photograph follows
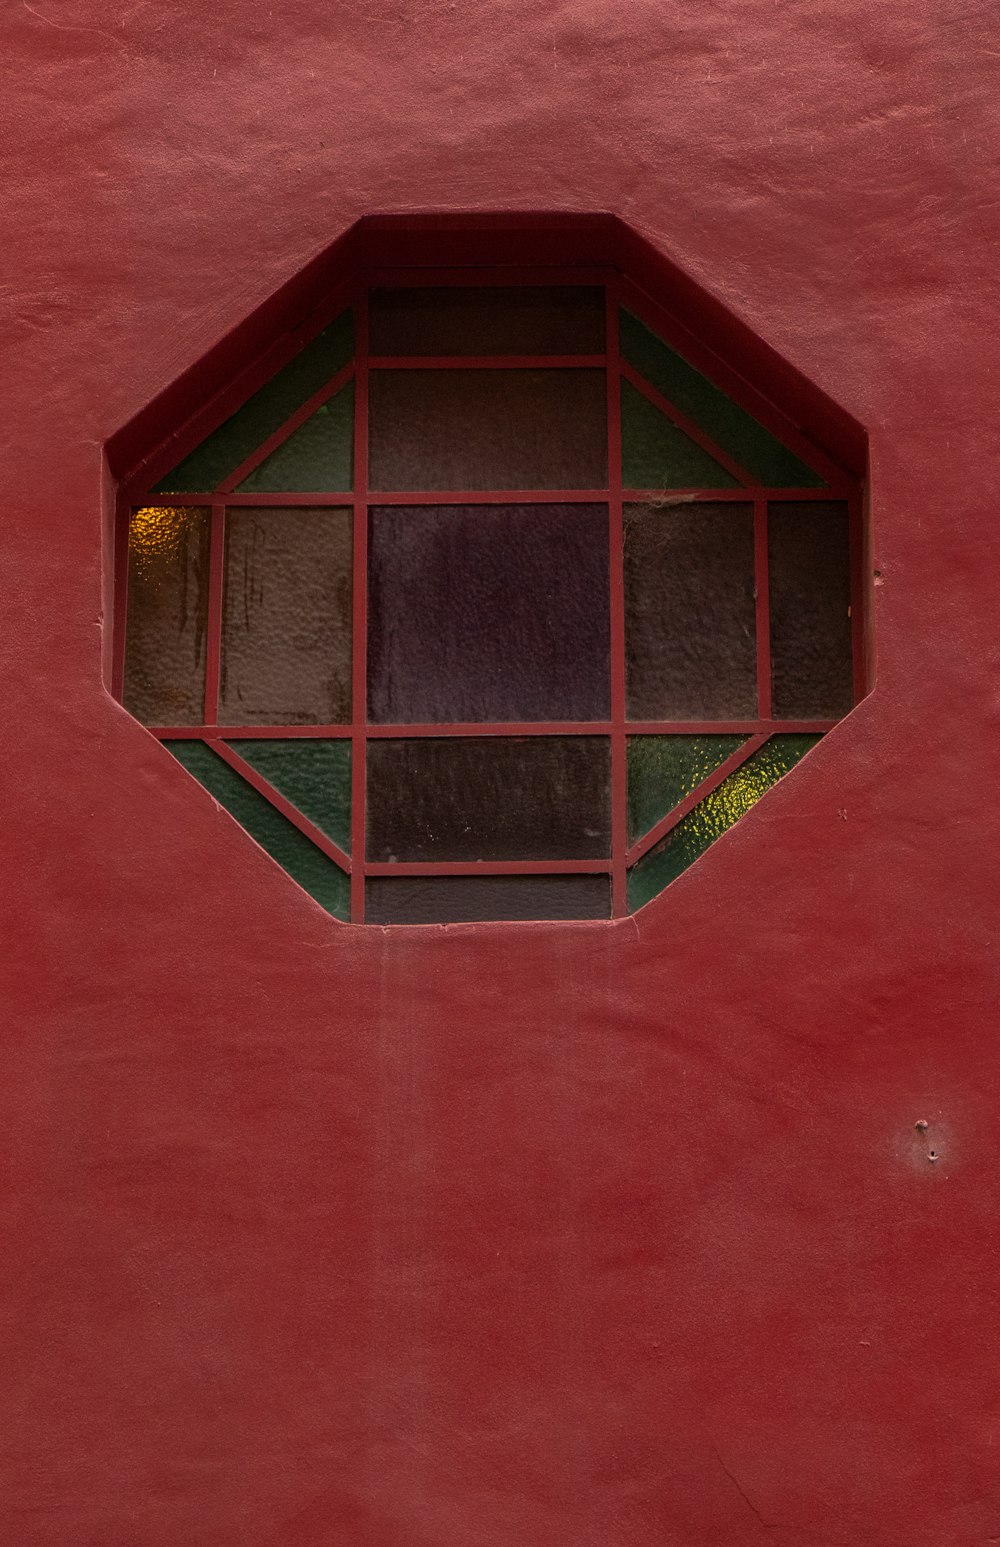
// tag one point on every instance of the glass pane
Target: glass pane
(491, 797)
(729, 425)
(314, 775)
(809, 565)
(222, 452)
(286, 628)
(167, 614)
(467, 899)
(714, 816)
(511, 320)
(488, 429)
(485, 612)
(662, 770)
(316, 874)
(657, 455)
(318, 457)
(690, 616)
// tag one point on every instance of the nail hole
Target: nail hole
(933, 1155)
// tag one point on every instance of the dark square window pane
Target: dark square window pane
(286, 630)
(489, 797)
(505, 320)
(809, 567)
(689, 612)
(484, 612)
(167, 614)
(494, 429)
(467, 899)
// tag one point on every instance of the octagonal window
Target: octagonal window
(491, 602)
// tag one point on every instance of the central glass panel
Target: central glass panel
(488, 612)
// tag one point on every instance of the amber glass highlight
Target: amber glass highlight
(167, 614)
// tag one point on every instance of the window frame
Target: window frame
(620, 292)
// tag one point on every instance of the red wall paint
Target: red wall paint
(617, 1235)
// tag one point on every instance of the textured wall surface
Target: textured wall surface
(615, 1236)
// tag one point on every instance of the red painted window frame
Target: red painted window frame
(840, 485)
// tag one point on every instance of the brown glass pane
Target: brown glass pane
(469, 320)
(689, 612)
(810, 590)
(491, 797)
(286, 630)
(493, 429)
(488, 612)
(468, 899)
(167, 614)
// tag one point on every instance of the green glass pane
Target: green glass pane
(662, 770)
(657, 455)
(316, 874)
(315, 775)
(729, 425)
(318, 457)
(223, 451)
(713, 816)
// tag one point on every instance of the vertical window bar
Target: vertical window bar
(860, 566)
(359, 684)
(763, 607)
(216, 581)
(616, 539)
(123, 521)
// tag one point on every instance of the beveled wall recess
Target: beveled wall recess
(492, 591)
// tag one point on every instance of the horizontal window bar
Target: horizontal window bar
(483, 728)
(489, 867)
(485, 362)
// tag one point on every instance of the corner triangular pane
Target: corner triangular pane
(658, 455)
(313, 774)
(725, 423)
(222, 452)
(713, 816)
(292, 850)
(317, 458)
(662, 770)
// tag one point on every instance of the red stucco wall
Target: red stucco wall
(535, 1236)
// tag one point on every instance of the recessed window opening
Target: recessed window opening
(492, 603)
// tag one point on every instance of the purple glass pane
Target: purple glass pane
(489, 797)
(495, 429)
(286, 630)
(485, 612)
(690, 616)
